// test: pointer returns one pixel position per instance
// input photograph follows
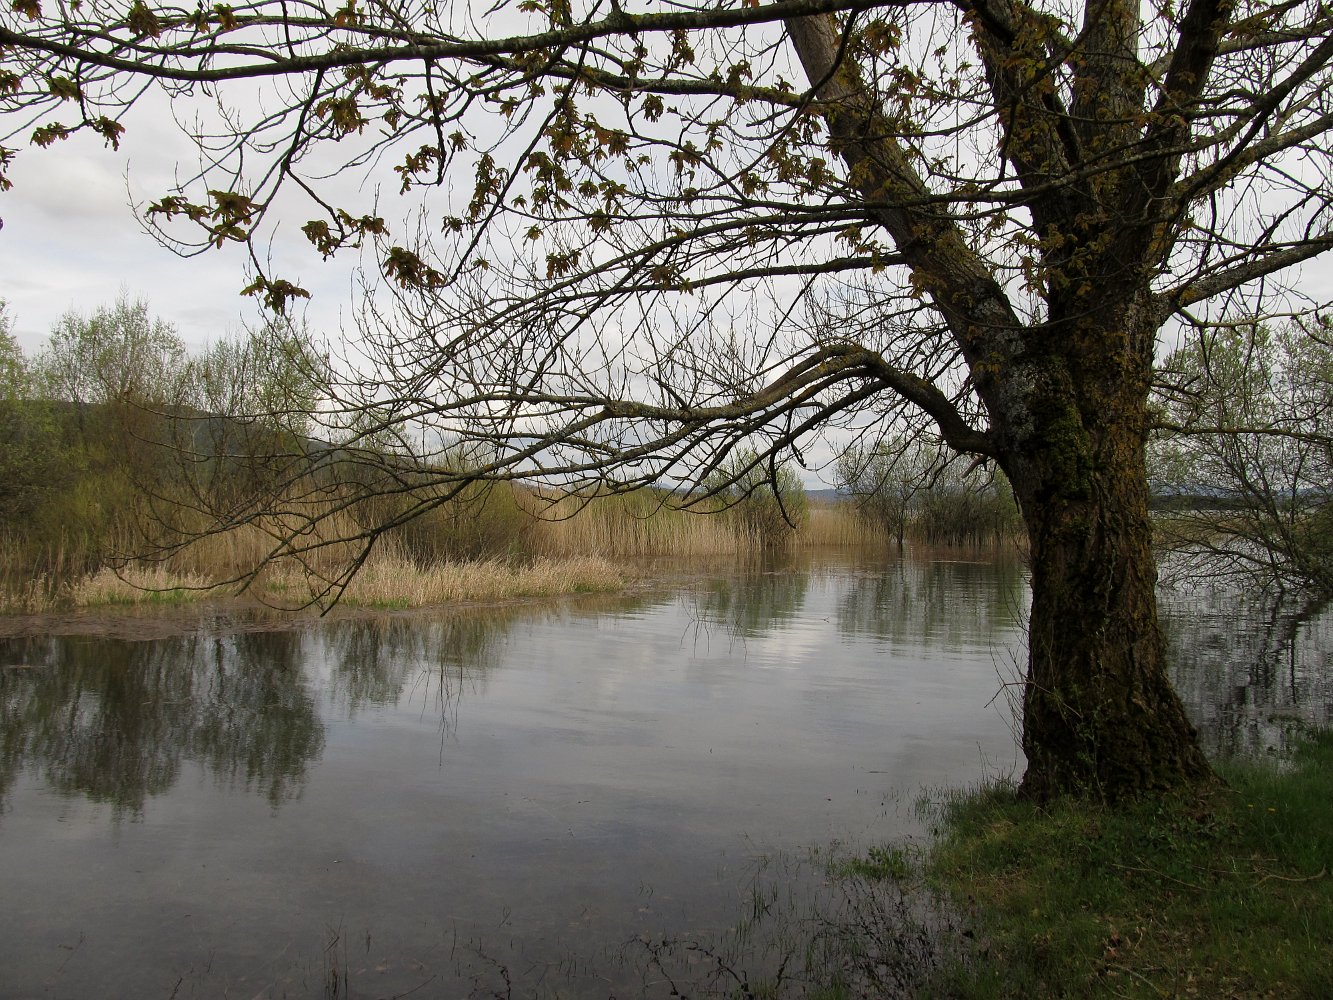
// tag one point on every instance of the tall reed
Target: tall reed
(838, 525)
(631, 525)
(32, 577)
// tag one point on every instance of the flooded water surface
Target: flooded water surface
(456, 802)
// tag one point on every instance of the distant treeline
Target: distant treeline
(119, 446)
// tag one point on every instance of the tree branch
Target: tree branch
(1216, 282)
(973, 304)
(420, 49)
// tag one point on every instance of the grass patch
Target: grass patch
(879, 864)
(1224, 894)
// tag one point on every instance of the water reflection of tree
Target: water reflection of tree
(373, 659)
(116, 721)
(951, 603)
(752, 604)
(1251, 673)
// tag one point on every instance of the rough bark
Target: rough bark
(1099, 714)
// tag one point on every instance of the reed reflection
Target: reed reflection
(377, 662)
(757, 603)
(943, 604)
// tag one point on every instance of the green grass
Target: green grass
(380, 604)
(880, 863)
(1222, 894)
(170, 597)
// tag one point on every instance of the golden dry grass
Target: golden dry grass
(391, 581)
(837, 525)
(387, 580)
(563, 546)
(632, 525)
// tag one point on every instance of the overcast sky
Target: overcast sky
(72, 242)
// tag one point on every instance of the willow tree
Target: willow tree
(643, 238)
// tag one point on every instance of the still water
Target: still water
(450, 803)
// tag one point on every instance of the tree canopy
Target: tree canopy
(637, 241)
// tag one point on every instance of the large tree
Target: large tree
(649, 237)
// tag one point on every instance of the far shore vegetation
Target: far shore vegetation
(517, 545)
(118, 447)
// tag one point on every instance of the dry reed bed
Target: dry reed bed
(566, 549)
(392, 581)
(634, 526)
(387, 581)
(628, 526)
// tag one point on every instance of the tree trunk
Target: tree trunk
(1099, 714)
